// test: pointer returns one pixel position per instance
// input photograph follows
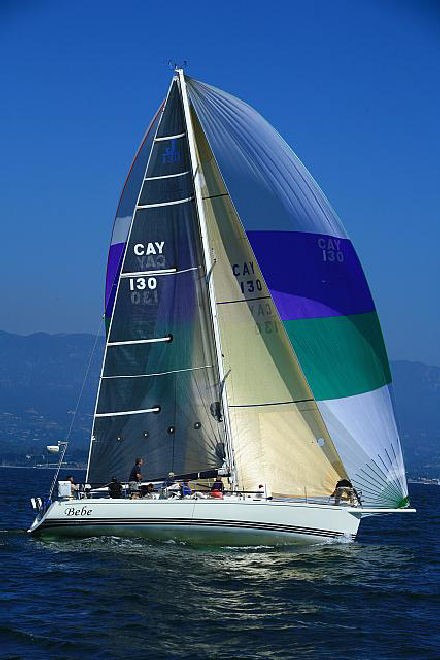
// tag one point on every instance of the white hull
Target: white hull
(211, 522)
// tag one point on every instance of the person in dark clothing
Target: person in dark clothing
(136, 473)
(115, 489)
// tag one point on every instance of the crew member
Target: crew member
(136, 474)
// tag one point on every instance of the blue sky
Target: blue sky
(352, 86)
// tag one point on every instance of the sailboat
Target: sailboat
(242, 341)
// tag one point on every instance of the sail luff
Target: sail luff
(210, 264)
(98, 390)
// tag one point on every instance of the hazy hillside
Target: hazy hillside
(41, 377)
(40, 381)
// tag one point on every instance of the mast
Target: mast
(210, 264)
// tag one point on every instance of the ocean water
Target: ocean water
(115, 598)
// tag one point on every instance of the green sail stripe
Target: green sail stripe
(340, 355)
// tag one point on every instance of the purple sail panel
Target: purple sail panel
(291, 306)
(311, 275)
(115, 255)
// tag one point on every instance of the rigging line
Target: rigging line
(374, 487)
(384, 500)
(278, 403)
(370, 484)
(163, 373)
(246, 300)
(84, 380)
(374, 477)
(384, 484)
(381, 476)
(366, 488)
(390, 494)
(217, 195)
(385, 475)
(72, 421)
(400, 466)
(398, 458)
(394, 480)
(398, 477)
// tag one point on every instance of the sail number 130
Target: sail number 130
(141, 283)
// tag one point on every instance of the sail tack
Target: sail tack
(318, 285)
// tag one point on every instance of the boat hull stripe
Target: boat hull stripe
(258, 526)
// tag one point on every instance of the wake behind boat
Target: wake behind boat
(242, 340)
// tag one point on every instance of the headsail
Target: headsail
(318, 285)
(159, 377)
(279, 438)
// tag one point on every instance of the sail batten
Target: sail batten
(244, 300)
(174, 202)
(140, 341)
(169, 271)
(169, 137)
(128, 412)
(165, 176)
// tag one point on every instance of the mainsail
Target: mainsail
(160, 377)
(317, 283)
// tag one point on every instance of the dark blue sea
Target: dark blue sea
(115, 598)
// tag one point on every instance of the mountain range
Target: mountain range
(42, 377)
